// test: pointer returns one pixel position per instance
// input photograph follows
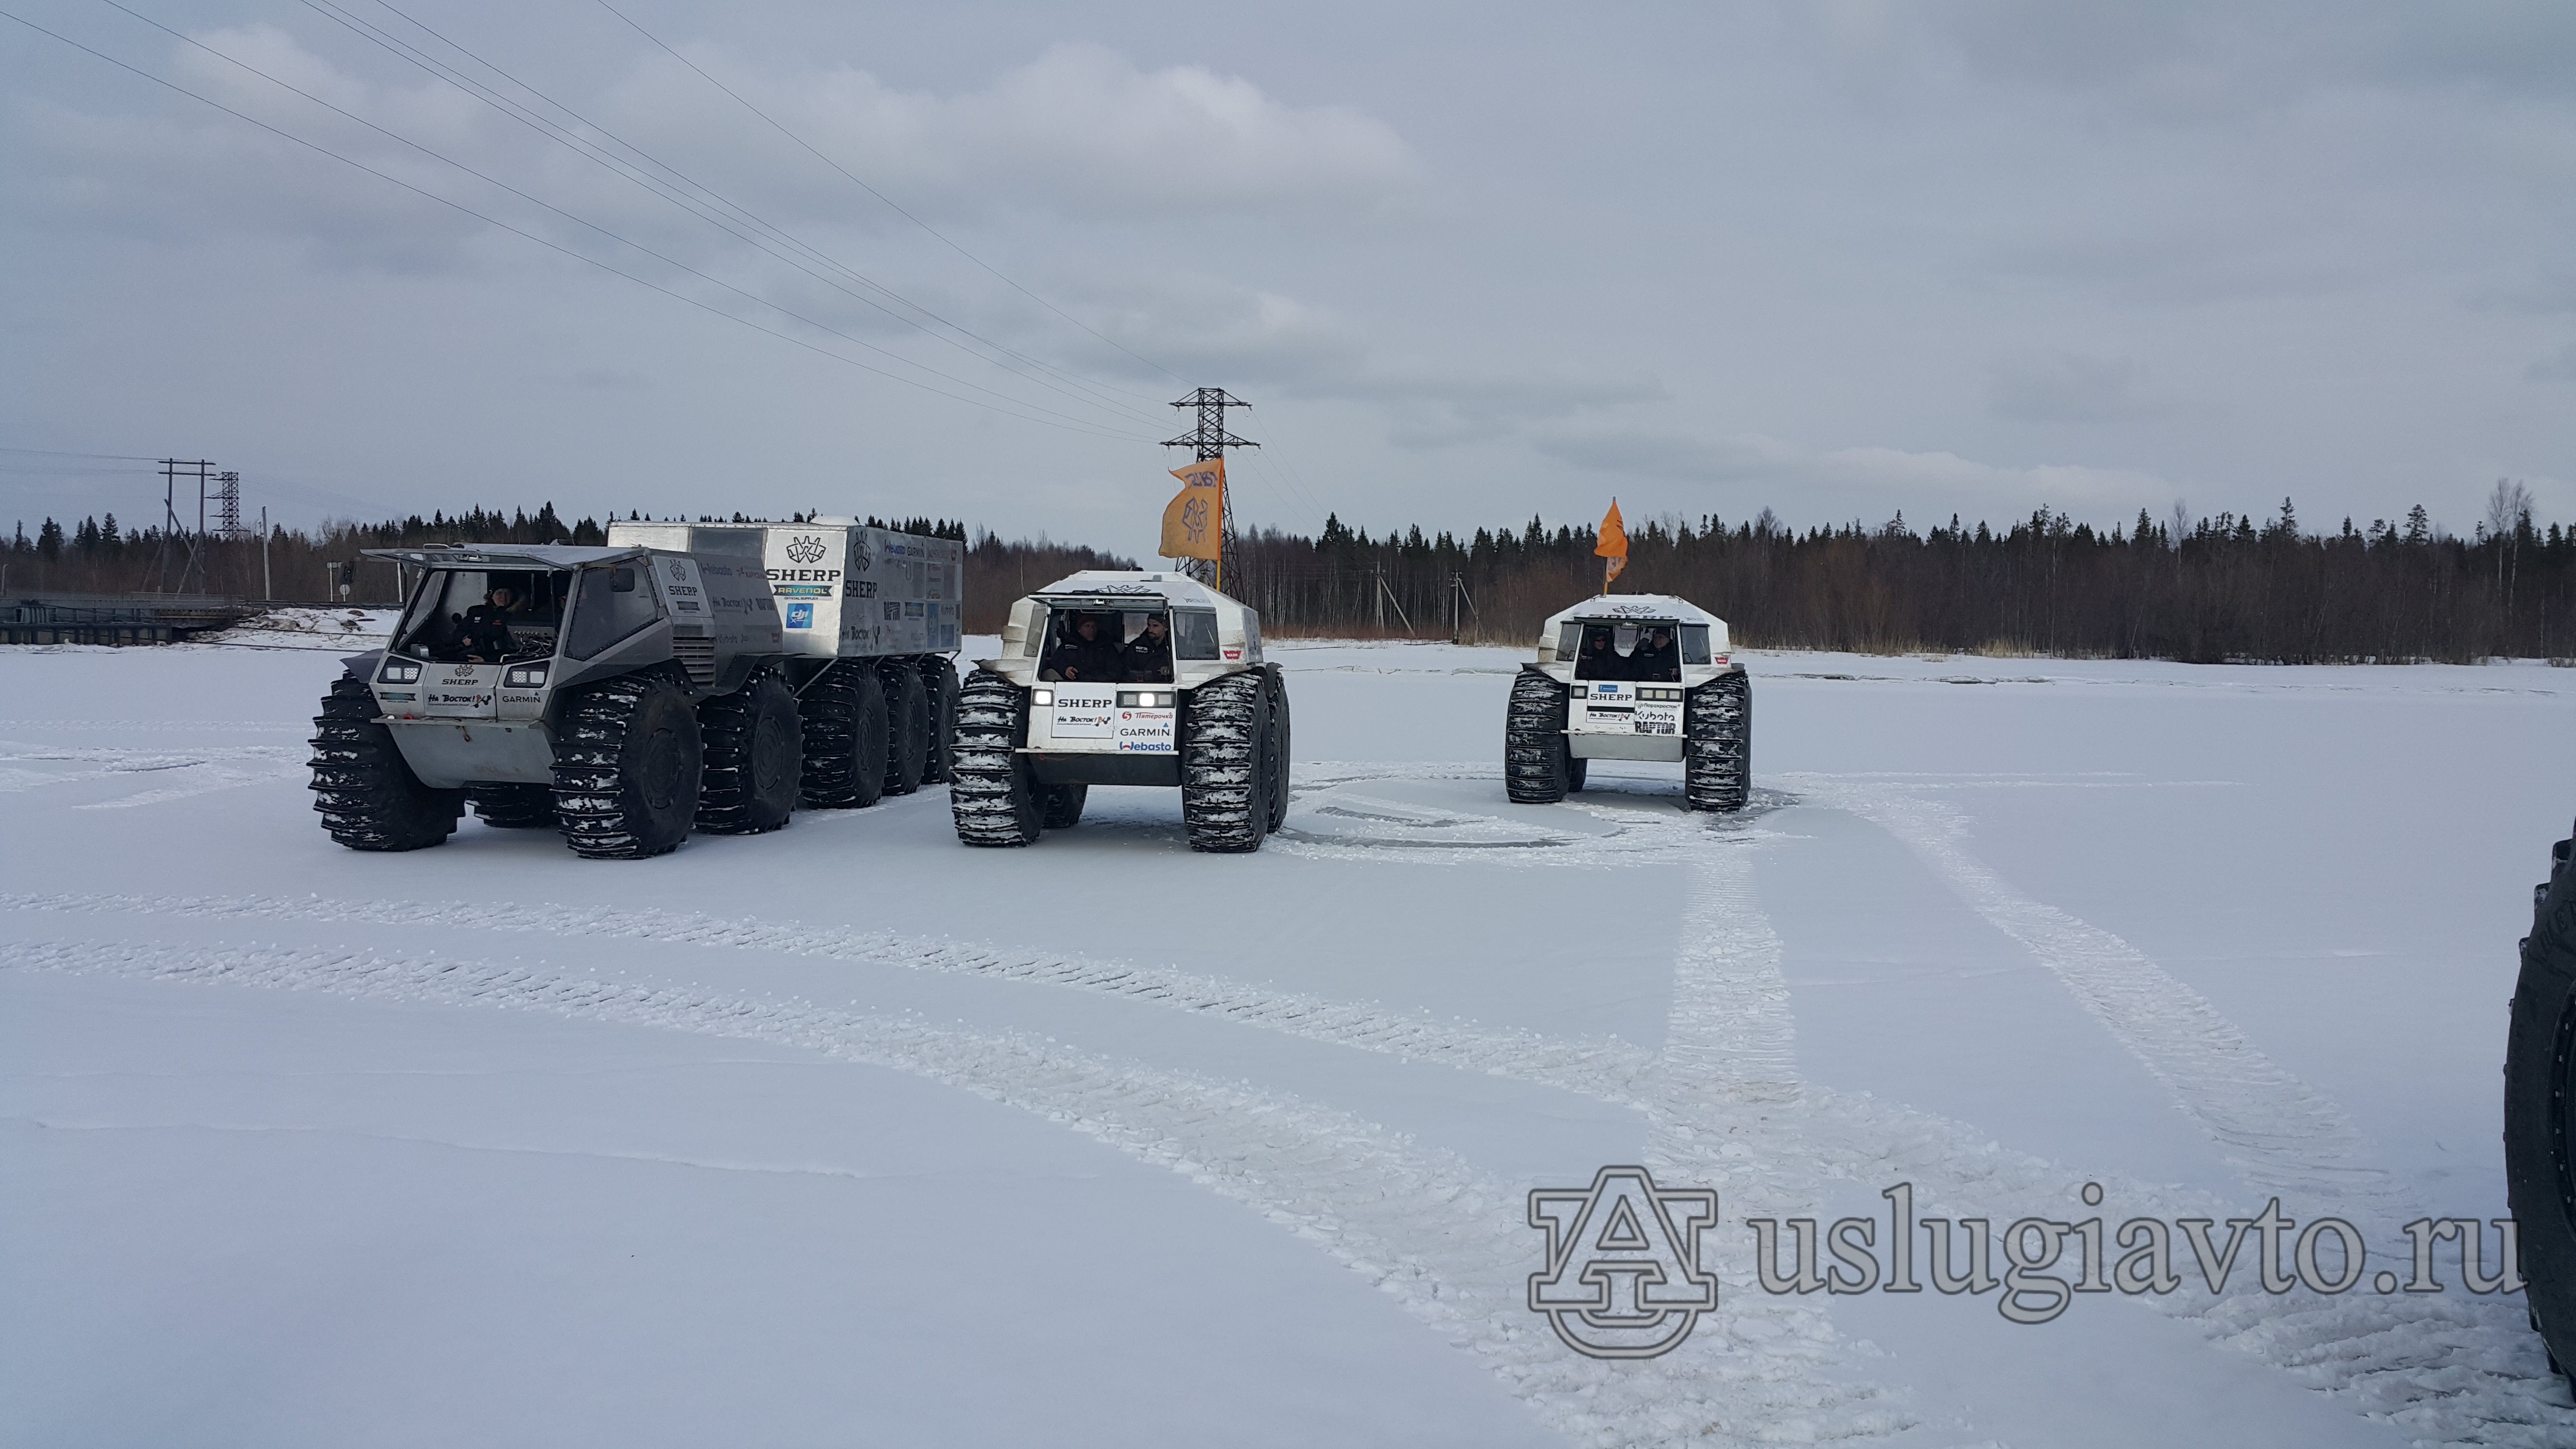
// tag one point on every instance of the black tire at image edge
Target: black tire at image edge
(2539, 1156)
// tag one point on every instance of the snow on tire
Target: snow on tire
(368, 796)
(628, 762)
(990, 794)
(2539, 1135)
(844, 715)
(1717, 750)
(908, 725)
(513, 807)
(940, 678)
(1227, 755)
(1536, 765)
(754, 758)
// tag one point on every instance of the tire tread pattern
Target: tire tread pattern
(989, 791)
(368, 797)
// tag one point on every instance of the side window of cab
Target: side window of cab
(1194, 634)
(610, 602)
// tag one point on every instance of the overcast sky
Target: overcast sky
(1468, 263)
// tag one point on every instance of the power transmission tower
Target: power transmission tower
(228, 524)
(191, 568)
(1210, 440)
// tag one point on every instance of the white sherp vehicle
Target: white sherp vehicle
(706, 676)
(1085, 693)
(1631, 677)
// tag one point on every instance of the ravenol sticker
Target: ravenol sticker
(800, 616)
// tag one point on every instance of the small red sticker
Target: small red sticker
(1234, 654)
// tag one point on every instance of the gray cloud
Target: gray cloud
(1835, 259)
(2558, 368)
(2068, 387)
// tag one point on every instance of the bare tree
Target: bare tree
(2508, 518)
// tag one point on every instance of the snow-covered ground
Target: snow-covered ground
(849, 1134)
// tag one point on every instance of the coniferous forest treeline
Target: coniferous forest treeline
(2222, 588)
(98, 556)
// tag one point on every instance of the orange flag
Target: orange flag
(1613, 545)
(1194, 520)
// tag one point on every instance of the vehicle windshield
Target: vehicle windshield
(483, 616)
(1118, 644)
(1649, 652)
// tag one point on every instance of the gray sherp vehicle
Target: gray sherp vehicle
(685, 676)
(1598, 691)
(1031, 743)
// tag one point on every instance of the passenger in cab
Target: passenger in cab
(486, 632)
(1656, 659)
(1147, 659)
(1600, 657)
(1082, 654)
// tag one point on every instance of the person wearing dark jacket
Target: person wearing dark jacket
(1084, 656)
(486, 634)
(1600, 658)
(1147, 659)
(1656, 659)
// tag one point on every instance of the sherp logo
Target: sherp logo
(805, 549)
(1623, 1278)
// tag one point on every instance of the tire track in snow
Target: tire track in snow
(1446, 1241)
(2456, 1368)
(2452, 1369)
(2281, 1135)
(1606, 1069)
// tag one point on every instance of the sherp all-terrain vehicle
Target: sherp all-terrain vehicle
(1631, 677)
(684, 676)
(2540, 1111)
(1122, 678)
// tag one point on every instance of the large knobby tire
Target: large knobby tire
(628, 764)
(990, 792)
(941, 679)
(755, 745)
(2540, 1116)
(1227, 762)
(513, 807)
(908, 724)
(368, 796)
(1279, 756)
(1717, 749)
(1062, 806)
(844, 711)
(1537, 762)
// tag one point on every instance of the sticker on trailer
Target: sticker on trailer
(800, 616)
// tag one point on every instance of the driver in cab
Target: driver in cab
(485, 634)
(1600, 657)
(1082, 655)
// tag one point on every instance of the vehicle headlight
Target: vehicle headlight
(1041, 696)
(397, 671)
(1144, 699)
(524, 676)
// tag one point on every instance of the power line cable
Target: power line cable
(579, 221)
(1075, 426)
(66, 453)
(692, 203)
(890, 201)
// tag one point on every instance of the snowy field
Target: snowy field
(850, 1135)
